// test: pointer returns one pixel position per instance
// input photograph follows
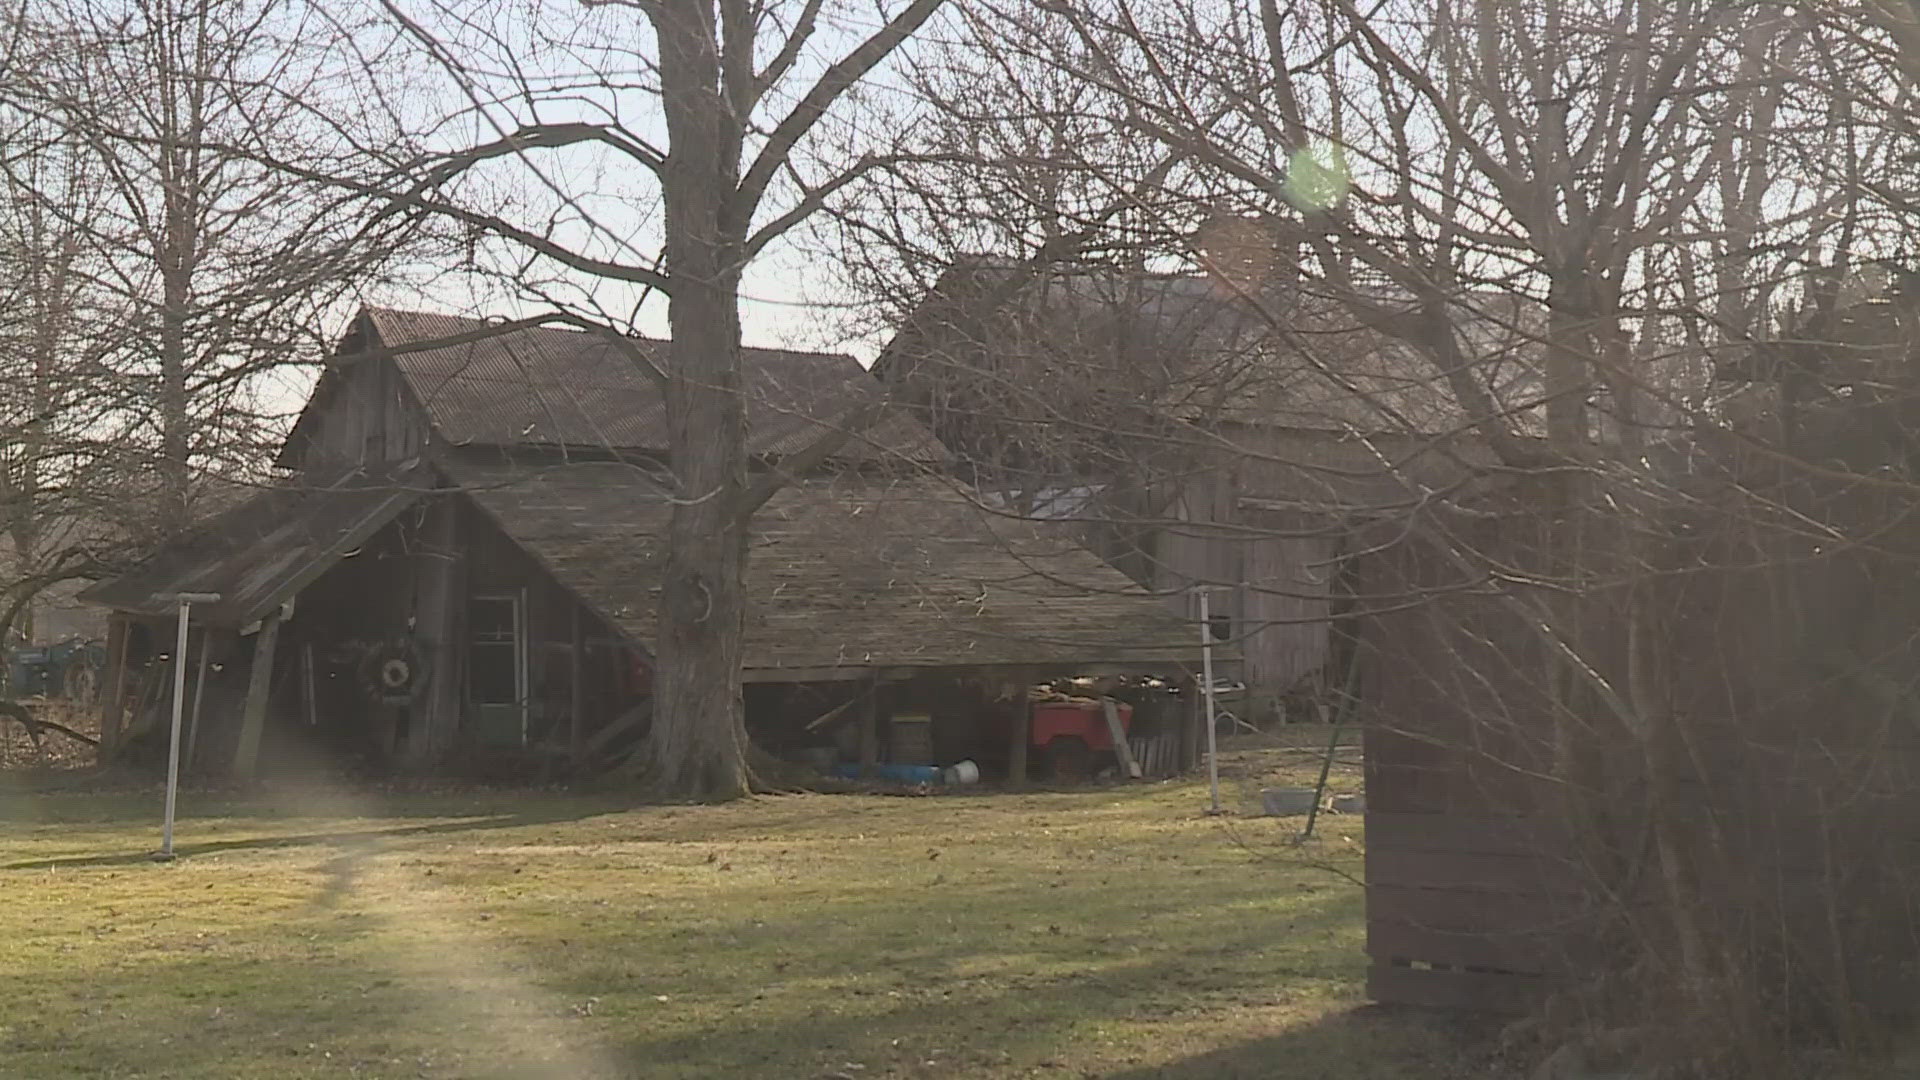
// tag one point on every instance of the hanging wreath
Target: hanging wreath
(393, 672)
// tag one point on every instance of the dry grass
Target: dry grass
(1105, 932)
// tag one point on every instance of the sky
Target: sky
(502, 65)
(541, 61)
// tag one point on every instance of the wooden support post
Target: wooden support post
(253, 718)
(1119, 735)
(870, 728)
(576, 687)
(1017, 741)
(436, 719)
(113, 703)
(1195, 734)
(310, 702)
(199, 696)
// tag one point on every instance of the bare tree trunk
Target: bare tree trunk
(696, 748)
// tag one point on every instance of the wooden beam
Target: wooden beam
(1119, 734)
(199, 696)
(253, 718)
(901, 673)
(113, 704)
(1195, 734)
(1017, 740)
(435, 720)
(870, 729)
(308, 697)
(576, 684)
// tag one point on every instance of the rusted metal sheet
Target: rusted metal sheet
(265, 550)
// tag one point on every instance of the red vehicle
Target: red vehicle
(1071, 735)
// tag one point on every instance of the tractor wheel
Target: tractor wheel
(1069, 759)
(82, 683)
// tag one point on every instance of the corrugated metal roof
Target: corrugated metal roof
(847, 572)
(559, 387)
(262, 552)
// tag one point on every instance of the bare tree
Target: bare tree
(204, 268)
(54, 469)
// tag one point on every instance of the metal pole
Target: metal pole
(1206, 674)
(1333, 742)
(186, 602)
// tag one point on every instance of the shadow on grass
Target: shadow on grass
(1355, 1044)
(1047, 1023)
(257, 843)
(466, 812)
(999, 970)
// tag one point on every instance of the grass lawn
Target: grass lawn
(314, 932)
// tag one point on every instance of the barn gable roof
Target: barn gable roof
(548, 386)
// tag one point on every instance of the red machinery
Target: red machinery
(1070, 733)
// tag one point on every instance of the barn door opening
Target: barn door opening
(497, 667)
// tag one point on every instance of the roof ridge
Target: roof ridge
(484, 320)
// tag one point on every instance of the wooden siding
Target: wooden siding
(1288, 600)
(361, 414)
(1272, 578)
(1470, 901)
(1510, 838)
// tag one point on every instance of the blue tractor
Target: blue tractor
(69, 669)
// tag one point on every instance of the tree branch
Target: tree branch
(836, 81)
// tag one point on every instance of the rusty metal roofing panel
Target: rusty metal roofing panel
(265, 550)
(559, 387)
(847, 572)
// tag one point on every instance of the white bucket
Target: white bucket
(965, 772)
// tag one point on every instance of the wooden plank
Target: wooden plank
(904, 672)
(1474, 990)
(436, 720)
(1483, 833)
(309, 701)
(1530, 954)
(199, 695)
(1119, 735)
(1020, 731)
(576, 681)
(870, 729)
(1194, 732)
(253, 718)
(1461, 910)
(113, 706)
(1472, 870)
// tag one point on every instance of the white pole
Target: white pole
(1206, 670)
(186, 602)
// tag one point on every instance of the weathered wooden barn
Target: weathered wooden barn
(463, 562)
(1209, 435)
(1716, 802)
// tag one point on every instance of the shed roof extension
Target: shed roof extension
(847, 574)
(262, 552)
